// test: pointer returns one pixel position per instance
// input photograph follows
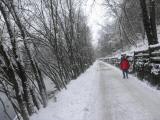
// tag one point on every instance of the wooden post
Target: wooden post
(149, 52)
(134, 61)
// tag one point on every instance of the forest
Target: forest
(134, 22)
(50, 40)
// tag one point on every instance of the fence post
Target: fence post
(134, 61)
(149, 52)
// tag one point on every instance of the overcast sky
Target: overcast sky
(97, 15)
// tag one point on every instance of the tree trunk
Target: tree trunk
(147, 23)
(21, 28)
(26, 89)
(42, 87)
(34, 97)
(20, 71)
(153, 20)
(9, 71)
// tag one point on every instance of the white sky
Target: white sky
(97, 15)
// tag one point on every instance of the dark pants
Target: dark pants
(125, 73)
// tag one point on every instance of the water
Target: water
(9, 108)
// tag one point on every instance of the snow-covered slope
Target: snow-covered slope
(141, 45)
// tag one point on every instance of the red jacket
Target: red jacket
(124, 65)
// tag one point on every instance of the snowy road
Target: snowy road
(101, 94)
(127, 99)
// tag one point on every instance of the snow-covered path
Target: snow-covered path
(128, 99)
(101, 94)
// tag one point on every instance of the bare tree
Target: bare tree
(38, 40)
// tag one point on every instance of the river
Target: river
(9, 108)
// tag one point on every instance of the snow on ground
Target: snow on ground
(101, 94)
(73, 103)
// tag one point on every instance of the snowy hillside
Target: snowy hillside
(141, 45)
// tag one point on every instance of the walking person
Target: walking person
(124, 65)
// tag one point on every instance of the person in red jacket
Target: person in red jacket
(124, 65)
